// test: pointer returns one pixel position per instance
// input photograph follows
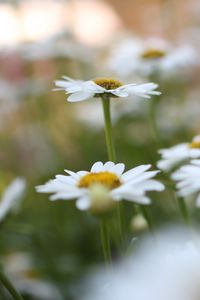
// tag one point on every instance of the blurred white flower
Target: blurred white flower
(83, 90)
(115, 185)
(171, 119)
(11, 198)
(163, 269)
(56, 47)
(20, 269)
(188, 178)
(179, 153)
(148, 56)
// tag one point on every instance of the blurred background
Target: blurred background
(47, 247)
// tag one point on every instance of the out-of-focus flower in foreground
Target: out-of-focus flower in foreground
(188, 178)
(12, 197)
(105, 183)
(179, 153)
(82, 90)
(166, 269)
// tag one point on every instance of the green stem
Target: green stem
(120, 211)
(111, 149)
(153, 120)
(108, 128)
(8, 285)
(184, 211)
(105, 243)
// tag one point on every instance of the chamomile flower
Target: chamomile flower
(188, 180)
(105, 183)
(82, 90)
(11, 197)
(26, 278)
(179, 153)
(133, 56)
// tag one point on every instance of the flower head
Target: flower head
(82, 90)
(104, 181)
(11, 197)
(145, 57)
(176, 154)
(27, 278)
(188, 178)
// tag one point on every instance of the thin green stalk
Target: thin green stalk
(120, 211)
(111, 149)
(183, 209)
(8, 285)
(153, 121)
(108, 128)
(105, 243)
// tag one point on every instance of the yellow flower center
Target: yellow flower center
(107, 179)
(195, 145)
(153, 53)
(108, 83)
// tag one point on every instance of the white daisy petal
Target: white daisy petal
(66, 179)
(137, 199)
(65, 195)
(154, 185)
(135, 172)
(143, 177)
(72, 174)
(80, 96)
(108, 165)
(97, 167)
(82, 173)
(118, 169)
(11, 198)
(119, 93)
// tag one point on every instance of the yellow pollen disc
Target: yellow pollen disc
(195, 145)
(107, 179)
(153, 54)
(108, 83)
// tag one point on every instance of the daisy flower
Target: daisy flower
(133, 56)
(188, 178)
(11, 197)
(105, 183)
(176, 154)
(79, 90)
(26, 278)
